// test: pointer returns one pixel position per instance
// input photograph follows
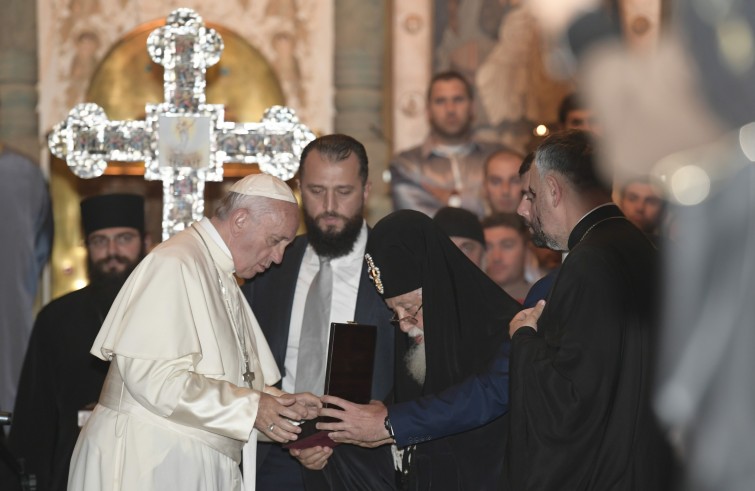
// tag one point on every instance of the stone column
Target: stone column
(18, 76)
(360, 58)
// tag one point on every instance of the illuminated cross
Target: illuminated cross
(183, 141)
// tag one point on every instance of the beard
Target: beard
(101, 278)
(106, 284)
(540, 238)
(416, 363)
(330, 243)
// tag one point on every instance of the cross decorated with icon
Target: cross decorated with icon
(182, 141)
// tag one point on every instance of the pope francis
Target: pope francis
(191, 373)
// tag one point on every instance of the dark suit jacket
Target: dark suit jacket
(271, 296)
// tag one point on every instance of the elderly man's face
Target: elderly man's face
(260, 238)
(408, 312)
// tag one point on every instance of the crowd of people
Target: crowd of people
(516, 300)
(195, 380)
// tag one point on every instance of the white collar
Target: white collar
(208, 227)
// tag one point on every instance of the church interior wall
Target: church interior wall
(358, 66)
(296, 36)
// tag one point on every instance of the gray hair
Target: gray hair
(571, 153)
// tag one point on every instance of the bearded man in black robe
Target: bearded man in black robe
(60, 381)
(581, 365)
(454, 319)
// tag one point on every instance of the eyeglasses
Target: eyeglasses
(411, 319)
(101, 241)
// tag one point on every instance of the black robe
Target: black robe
(466, 317)
(580, 416)
(59, 377)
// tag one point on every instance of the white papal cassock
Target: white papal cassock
(174, 411)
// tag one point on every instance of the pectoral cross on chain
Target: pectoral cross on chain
(248, 375)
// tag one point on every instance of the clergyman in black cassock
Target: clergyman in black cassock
(59, 377)
(463, 318)
(580, 415)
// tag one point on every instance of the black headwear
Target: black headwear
(466, 315)
(466, 319)
(459, 222)
(112, 210)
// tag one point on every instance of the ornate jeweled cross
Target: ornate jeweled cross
(183, 141)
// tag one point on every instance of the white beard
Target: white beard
(415, 362)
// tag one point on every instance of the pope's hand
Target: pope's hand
(310, 402)
(275, 416)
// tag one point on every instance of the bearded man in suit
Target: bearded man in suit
(334, 184)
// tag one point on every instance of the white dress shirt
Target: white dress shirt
(347, 271)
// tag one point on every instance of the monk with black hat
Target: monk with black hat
(60, 380)
(455, 320)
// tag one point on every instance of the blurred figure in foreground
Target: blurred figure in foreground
(684, 112)
(26, 247)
